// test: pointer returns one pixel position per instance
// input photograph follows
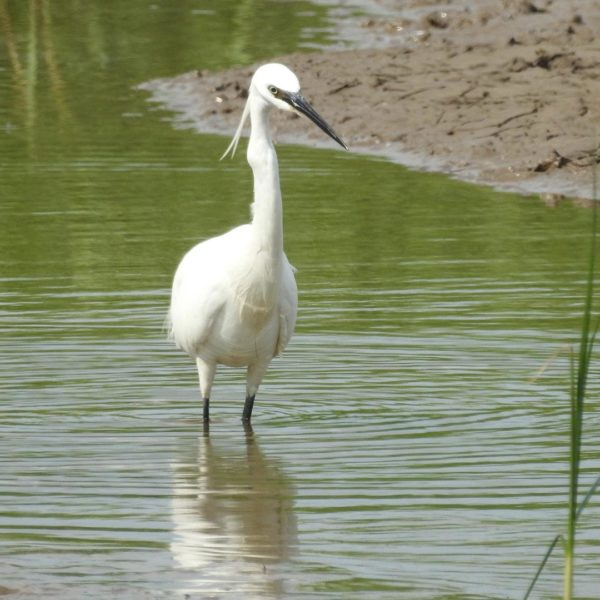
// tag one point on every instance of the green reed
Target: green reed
(580, 365)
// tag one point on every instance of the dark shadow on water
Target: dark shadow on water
(232, 514)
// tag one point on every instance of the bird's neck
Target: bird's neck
(267, 221)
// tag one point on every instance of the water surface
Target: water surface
(403, 446)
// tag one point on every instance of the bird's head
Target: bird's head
(275, 83)
(277, 86)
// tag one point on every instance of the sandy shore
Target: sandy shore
(506, 94)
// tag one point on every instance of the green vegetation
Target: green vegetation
(580, 366)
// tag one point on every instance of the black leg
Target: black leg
(248, 405)
(205, 409)
(249, 431)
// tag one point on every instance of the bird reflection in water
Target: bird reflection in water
(233, 519)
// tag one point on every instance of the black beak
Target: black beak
(301, 104)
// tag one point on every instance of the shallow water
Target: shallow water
(402, 446)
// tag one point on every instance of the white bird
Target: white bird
(234, 297)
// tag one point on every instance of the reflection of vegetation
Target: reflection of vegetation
(52, 64)
(10, 43)
(72, 147)
(79, 55)
(24, 64)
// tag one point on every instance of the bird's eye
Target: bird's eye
(273, 90)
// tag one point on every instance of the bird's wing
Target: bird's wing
(288, 307)
(197, 299)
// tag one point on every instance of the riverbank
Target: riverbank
(505, 94)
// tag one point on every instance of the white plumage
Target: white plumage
(234, 297)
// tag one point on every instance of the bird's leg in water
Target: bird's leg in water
(249, 431)
(206, 374)
(254, 375)
(248, 405)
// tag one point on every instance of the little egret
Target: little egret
(234, 297)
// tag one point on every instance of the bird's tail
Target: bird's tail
(236, 138)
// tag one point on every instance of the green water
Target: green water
(401, 449)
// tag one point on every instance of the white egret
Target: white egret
(234, 297)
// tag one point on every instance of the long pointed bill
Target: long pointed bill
(301, 104)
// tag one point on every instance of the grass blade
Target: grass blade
(588, 496)
(542, 565)
(578, 391)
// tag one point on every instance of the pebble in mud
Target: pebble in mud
(437, 18)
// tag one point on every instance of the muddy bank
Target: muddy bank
(506, 94)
